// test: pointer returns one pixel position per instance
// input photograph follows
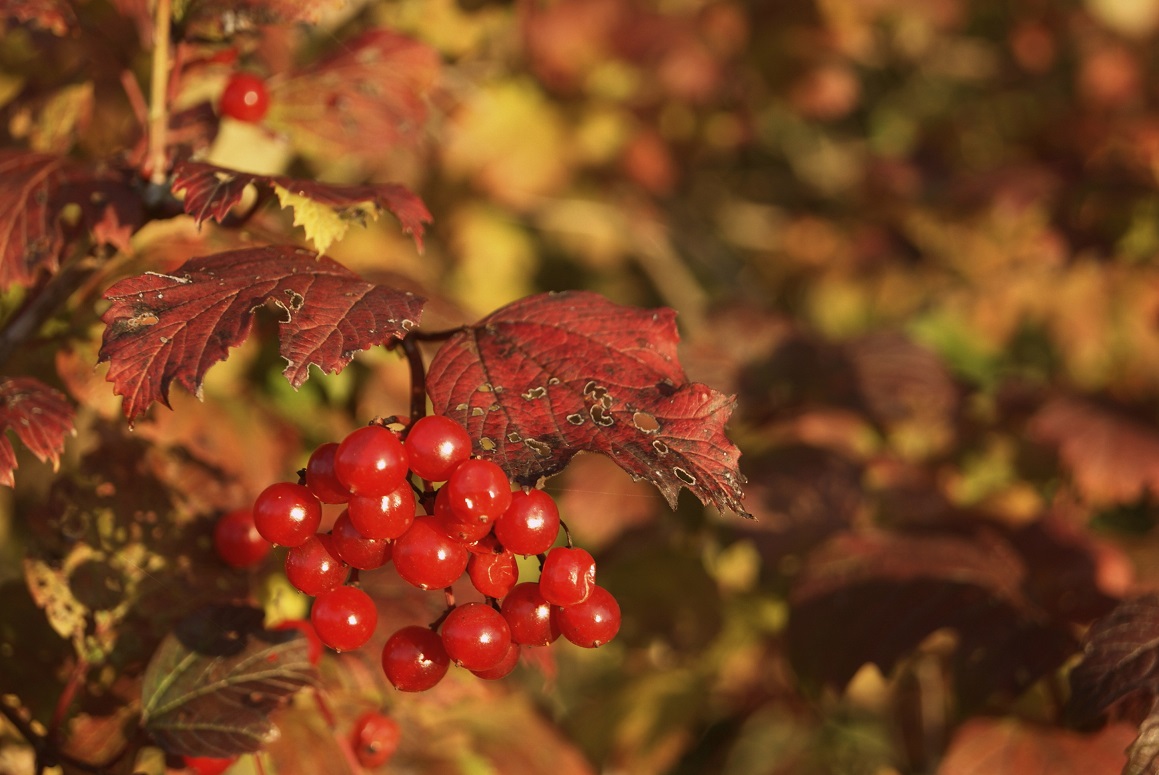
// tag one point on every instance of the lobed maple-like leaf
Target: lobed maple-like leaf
(1120, 661)
(554, 374)
(211, 191)
(212, 683)
(361, 101)
(30, 236)
(162, 328)
(873, 598)
(56, 16)
(40, 416)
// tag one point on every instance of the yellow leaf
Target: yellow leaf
(323, 224)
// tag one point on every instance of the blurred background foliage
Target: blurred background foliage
(919, 239)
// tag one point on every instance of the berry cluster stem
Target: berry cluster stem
(159, 92)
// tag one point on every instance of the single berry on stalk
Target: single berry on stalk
(427, 557)
(530, 524)
(320, 476)
(344, 618)
(476, 636)
(478, 491)
(355, 549)
(436, 445)
(237, 541)
(371, 461)
(374, 738)
(287, 514)
(313, 566)
(568, 576)
(493, 572)
(414, 659)
(529, 615)
(245, 98)
(591, 623)
(383, 516)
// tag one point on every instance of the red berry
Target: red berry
(436, 446)
(237, 541)
(320, 476)
(313, 642)
(493, 573)
(591, 623)
(504, 666)
(375, 739)
(344, 618)
(466, 533)
(476, 636)
(427, 557)
(414, 659)
(383, 516)
(208, 765)
(371, 461)
(568, 575)
(313, 567)
(530, 524)
(355, 549)
(287, 514)
(478, 491)
(529, 615)
(245, 98)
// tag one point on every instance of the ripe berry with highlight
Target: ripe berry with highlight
(568, 576)
(287, 514)
(436, 446)
(591, 623)
(371, 461)
(344, 618)
(375, 739)
(476, 636)
(414, 659)
(245, 98)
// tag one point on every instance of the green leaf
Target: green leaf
(212, 684)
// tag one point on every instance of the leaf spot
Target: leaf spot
(461, 407)
(553, 381)
(684, 476)
(484, 388)
(600, 416)
(535, 392)
(514, 437)
(575, 419)
(538, 447)
(645, 422)
(477, 411)
(660, 446)
(487, 444)
(296, 299)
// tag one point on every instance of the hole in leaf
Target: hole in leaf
(684, 476)
(660, 446)
(645, 422)
(538, 447)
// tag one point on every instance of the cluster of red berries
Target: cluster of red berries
(473, 524)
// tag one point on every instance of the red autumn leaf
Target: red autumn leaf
(364, 99)
(41, 418)
(211, 191)
(1120, 659)
(1112, 457)
(873, 598)
(166, 328)
(554, 374)
(987, 746)
(53, 15)
(30, 236)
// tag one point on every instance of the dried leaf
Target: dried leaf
(216, 19)
(30, 236)
(886, 593)
(167, 328)
(212, 684)
(987, 746)
(41, 418)
(1112, 457)
(325, 210)
(554, 374)
(1120, 656)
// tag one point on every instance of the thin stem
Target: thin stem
(64, 702)
(436, 336)
(418, 378)
(42, 304)
(158, 93)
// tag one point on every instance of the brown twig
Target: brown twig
(159, 93)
